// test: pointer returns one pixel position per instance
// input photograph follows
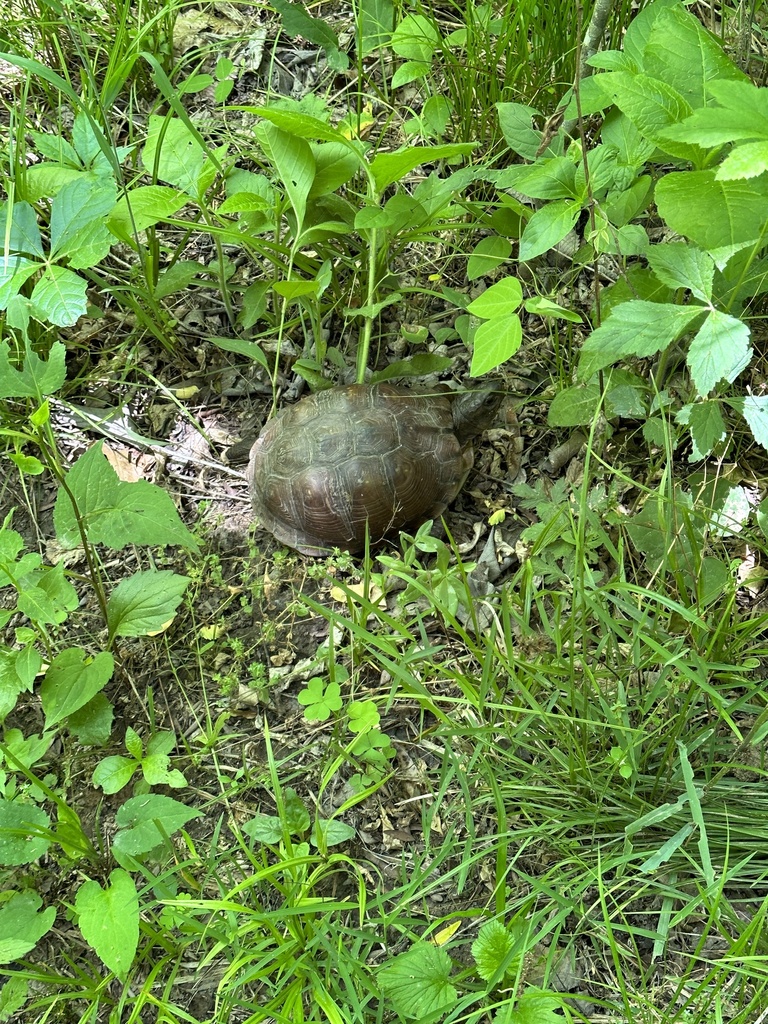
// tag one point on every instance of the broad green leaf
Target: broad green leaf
(335, 164)
(575, 406)
(621, 207)
(173, 154)
(143, 207)
(754, 409)
(720, 350)
(500, 299)
(292, 158)
(56, 593)
(37, 377)
(72, 679)
(418, 981)
(376, 22)
(487, 255)
(243, 347)
(411, 71)
(145, 822)
(92, 724)
(630, 148)
(264, 828)
(330, 832)
(109, 920)
(415, 38)
(679, 265)
(542, 306)
(303, 126)
(707, 427)
(60, 296)
(18, 843)
(516, 123)
(145, 602)
(636, 328)
(547, 227)
(495, 948)
(710, 212)
(495, 342)
(388, 168)
(748, 161)
(112, 773)
(78, 221)
(114, 512)
(652, 106)
(537, 1008)
(297, 819)
(741, 117)
(24, 236)
(553, 178)
(21, 926)
(14, 272)
(683, 54)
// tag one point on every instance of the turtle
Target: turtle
(364, 459)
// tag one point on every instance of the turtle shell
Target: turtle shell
(376, 456)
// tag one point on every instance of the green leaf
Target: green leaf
(575, 406)
(116, 513)
(21, 926)
(320, 700)
(495, 948)
(14, 272)
(415, 38)
(707, 427)
(678, 265)
(720, 350)
(547, 227)
(552, 178)
(388, 168)
(712, 213)
(537, 1008)
(142, 208)
(487, 255)
(60, 296)
(741, 117)
(145, 603)
(652, 106)
(516, 123)
(542, 306)
(499, 300)
(495, 342)
(747, 161)
(297, 819)
(77, 221)
(173, 154)
(264, 828)
(18, 843)
(411, 71)
(418, 981)
(72, 679)
(636, 328)
(376, 21)
(109, 920)
(37, 377)
(292, 158)
(92, 724)
(754, 409)
(297, 22)
(330, 832)
(13, 994)
(145, 822)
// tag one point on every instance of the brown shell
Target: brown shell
(379, 455)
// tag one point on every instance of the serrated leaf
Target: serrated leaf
(707, 427)
(747, 161)
(143, 603)
(109, 920)
(635, 328)
(754, 409)
(575, 406)
(494, 949)
(37, 377)
(537, 1008)
(710, 212)
(418, 981)
(720, 350)
(21, 926)
(116, 513)
(678, 265)
(72, 679)
(77, 219)
(60, 296)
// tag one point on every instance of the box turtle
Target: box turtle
(379, 454)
